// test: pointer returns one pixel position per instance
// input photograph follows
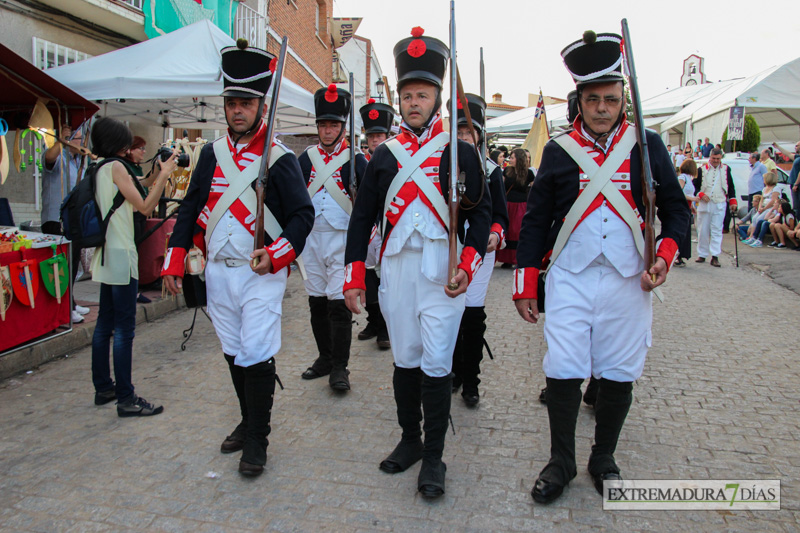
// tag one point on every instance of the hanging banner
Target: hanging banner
(736, 124)
(343, 29)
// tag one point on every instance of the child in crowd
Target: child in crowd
(785, 225)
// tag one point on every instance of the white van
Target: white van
(739, 163)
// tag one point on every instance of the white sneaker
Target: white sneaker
(77, 318)
(82, 310)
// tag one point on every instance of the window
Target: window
(316, 18)
(48, 55)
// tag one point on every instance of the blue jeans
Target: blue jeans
(117, 317)
(762, 227)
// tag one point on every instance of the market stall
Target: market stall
(34, 286)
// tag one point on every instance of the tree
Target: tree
(751, 137)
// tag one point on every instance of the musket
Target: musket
(648, 185)
(353, 188)
(263, 171)
(452, 201)
(483, 152)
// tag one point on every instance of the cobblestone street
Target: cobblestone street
(718, 400)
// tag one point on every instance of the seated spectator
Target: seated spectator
(767, 207)
(783, 226)
(761, 229)
(745, 221)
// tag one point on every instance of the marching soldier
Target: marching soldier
(406, 185)
(326, 170)
(469, 346)
(217, 215)
(598, 302)
(377, 119)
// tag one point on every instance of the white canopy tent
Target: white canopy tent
(772, 97)
(174, 81)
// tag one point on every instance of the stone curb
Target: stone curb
(30, 357)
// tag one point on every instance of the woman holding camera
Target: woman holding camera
(115, 267)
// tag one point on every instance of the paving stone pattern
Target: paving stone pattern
(718, 399)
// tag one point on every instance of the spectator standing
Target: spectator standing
(766, 160)
(59, 176)
(685, 179)
(498, 157)
(794, 179)
(716, 187)
(755, 183)
(698, 150)
(707, 147)
(517, 180)
(115, 266)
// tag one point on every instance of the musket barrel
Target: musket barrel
(453, 182)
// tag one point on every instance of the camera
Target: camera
(165, 153)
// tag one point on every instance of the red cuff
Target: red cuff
(354, 276)
(281, 253)
(174, 261)
(526, 283)
(471, 261)
(497, 228)
(667, 250)
(701, 195)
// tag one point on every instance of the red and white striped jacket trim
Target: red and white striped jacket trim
(526, 284)
(281, 254)
(622, 177)
(471, 261)
(668, 251)
(355, 276)
(498, 229)
(174, 262)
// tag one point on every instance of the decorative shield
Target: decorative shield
(54, 275)
(25, 281)
(6, 292)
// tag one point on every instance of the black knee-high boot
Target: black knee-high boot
(407, 383)
(341, 319)
(321, 327)
(563, 404)
(436, 394)
(235, 441)
(473, 326)
(259, 388)
(613, 402)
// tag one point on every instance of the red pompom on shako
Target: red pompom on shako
(459, 105)
(417, 47)
(331, 95)
(273, 65)
(373, 114)
(371, 101)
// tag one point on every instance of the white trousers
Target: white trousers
(709, 229)
(476, 292)
(324, 260)
(245, 309)
(596, 323)
(422, 320)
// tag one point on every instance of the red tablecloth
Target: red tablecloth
(23, 323)
(151, 251)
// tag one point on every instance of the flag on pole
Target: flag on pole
(538, 136)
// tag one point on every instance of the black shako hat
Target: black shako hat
(246, 71)
(477, 108)
(595, 58)
(420, 58)
(377, 117)
(332, 104)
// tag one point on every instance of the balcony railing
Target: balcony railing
(250, 25)
(135, 4)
